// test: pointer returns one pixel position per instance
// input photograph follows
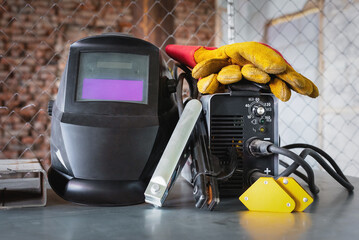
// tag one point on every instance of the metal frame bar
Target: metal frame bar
(22, 183)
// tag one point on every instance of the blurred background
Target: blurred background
(318, 37)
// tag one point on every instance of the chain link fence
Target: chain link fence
(317, 37)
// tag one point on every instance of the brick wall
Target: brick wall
(195, 22)
(34, 40)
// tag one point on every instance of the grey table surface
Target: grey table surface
(333, 215)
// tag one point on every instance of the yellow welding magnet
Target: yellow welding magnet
(282, 195)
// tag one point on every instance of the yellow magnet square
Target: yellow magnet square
(296, 191)
(266, 195)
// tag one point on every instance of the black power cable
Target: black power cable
(296, 172)
(321, 152)
(292, 168)
(259, 147)
(337, 174)
(285, 152)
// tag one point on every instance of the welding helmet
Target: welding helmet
(111, 120)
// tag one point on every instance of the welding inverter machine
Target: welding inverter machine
(220, 164)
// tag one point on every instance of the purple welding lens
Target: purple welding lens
(112, 90)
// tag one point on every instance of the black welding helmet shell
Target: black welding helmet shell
(111, 120)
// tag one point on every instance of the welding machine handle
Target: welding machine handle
(192, 84)
(244, 86)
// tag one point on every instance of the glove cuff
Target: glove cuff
(184, 54)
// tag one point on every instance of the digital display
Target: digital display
(112, 90)
(118, 77)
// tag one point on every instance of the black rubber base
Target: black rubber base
(96, 192)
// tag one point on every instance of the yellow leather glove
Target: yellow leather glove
(253, 61)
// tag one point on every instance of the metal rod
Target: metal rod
(230, 14)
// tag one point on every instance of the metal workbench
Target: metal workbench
(333, 215)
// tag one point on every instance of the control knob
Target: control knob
(258, 110)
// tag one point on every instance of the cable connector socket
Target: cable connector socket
(258, 147)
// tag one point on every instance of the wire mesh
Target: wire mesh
(317, 37)
(34, 40)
